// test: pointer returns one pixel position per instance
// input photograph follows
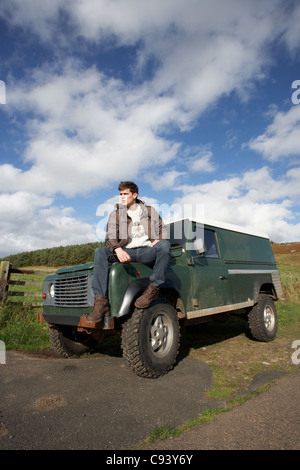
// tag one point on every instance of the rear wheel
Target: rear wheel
(68, 342)
(150, 340)
(262, 319)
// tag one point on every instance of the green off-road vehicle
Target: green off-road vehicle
(214, 269)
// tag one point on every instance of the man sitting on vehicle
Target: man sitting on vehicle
(135, 232)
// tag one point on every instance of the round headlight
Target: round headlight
(51, 290)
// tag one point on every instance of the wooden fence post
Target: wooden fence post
(4, 278)
(17, 285)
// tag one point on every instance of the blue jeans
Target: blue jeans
(157, 257)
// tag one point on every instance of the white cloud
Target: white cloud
(202, 49)
(255, 201)
(29, 222)
(281, 138)
(165, 181)
(88, 130)
(38, 17)
(201, 162)
(18, 208)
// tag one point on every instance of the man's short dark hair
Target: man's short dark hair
(128, 185)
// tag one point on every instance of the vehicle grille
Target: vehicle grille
(71, 291)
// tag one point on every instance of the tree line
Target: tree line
(57, 256)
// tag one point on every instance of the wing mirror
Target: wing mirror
(199, 247)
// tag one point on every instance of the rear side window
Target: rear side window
(210, 241)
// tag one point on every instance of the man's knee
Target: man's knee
(100, 252)
(163, 246)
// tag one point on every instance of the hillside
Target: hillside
(287, 257)
(58, 256)
(287, 254)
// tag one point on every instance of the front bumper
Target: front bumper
(107, 323)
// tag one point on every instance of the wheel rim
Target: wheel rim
(269, 318)
(161, 335)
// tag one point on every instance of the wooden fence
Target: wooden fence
(21, 286)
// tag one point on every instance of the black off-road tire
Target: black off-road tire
(262, 319)
(150, 340)
(66, 342)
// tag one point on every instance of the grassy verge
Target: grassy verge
(20, 330)
(235, 359)
(208, 414)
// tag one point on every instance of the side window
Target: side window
(210, 244)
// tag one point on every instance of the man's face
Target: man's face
(127, 197)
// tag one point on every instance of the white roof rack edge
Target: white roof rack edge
(223, 225)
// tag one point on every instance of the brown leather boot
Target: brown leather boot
(150, 294)
(101, 309)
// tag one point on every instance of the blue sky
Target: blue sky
(192, 100)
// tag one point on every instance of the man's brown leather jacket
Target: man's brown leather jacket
(118, 226)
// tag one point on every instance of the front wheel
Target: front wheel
(68, 342)
(262, 319)
(150, 340)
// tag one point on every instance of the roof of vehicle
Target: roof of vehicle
(225, 226)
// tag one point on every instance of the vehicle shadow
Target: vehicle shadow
(202, 335)
(109, 346)
(193, 337)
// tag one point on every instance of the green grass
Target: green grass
(27, 277)
(288, 320)
(20, 329)
(207, 414)
(32, 293)
(162, 433)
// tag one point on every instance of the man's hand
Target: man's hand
(154, 243)
(122, 256)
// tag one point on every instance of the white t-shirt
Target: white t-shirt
(137, 233)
